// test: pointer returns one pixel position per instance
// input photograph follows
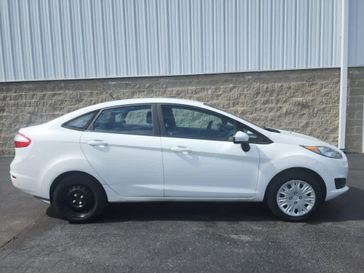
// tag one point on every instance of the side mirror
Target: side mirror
(240, 137)
(243, 139)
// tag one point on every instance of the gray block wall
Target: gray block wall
(305, 101)
(355, 115)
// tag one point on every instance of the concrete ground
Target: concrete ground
(183, 237)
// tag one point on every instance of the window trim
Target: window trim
(155, 123)
(237, 123)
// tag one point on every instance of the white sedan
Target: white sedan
(171, 149)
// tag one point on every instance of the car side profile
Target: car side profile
(172, 150)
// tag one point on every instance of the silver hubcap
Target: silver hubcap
(296, 198)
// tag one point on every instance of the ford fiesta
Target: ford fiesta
(170, 149)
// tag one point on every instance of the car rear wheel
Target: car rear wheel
(79, 198)
(294, 197)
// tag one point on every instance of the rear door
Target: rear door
(123, 146)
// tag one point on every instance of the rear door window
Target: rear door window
(134, 120)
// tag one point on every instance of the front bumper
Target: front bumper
(335, 177)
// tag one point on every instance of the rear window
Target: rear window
(81, 122)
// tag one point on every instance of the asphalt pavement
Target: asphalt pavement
(183, 237)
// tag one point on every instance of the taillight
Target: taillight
(21, 141)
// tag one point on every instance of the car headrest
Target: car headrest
(149, 117)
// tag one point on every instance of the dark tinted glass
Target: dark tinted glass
(81, 122)
(136, 120)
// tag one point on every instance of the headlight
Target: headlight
(323, 150)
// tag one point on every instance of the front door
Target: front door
(200, 159)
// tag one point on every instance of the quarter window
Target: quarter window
(135, 120)
(81, 122)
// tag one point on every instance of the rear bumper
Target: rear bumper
(24, 183)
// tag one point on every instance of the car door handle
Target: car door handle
(181, 149)
(97, 142)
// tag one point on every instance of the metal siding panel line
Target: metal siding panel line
(136, 37)
(120, 41)
(295, 34)
(16, 39)
(359, 31)
(207, 26)
(240, 29)
(47, 40)
(173, 22)
(36, 40)
(255, 35)
(185, 36)
(144, 42)
(266, 35)
(77, 38)
(352, 40)
(98, 38)
(270, 39)
(299, 33)
(316, 26)
(322, 19)
(163, 35)
(332, 33)
(6, 41)
(88, 40)
(220, 36)
(2, 62)
(324, 34)
(196, 37)
(57, 39)
(153, 37)
(67, 39)
(335, 30)
(263, 35)
(288, 24)
(246, 36)
(309, 32)
(26, 43)
(249, 34)
(109, 38)
(230, 30)
(284, 22)
(356, 33)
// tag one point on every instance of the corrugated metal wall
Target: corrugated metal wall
(66, 39)
(356, 33)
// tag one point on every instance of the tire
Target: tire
(79, 198)
(294, 197)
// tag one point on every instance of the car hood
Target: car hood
(288, 137)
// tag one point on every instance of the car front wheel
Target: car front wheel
(294, 197)
(79, 198)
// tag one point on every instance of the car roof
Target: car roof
(146, 100)
(116, 103)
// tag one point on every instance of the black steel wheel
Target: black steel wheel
(79, 198)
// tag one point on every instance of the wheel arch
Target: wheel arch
(60, 177)
(293, 171)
